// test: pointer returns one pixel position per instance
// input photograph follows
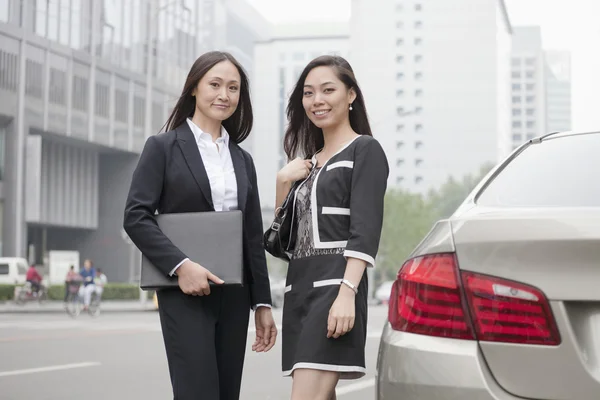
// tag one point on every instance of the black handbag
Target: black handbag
(279, 239)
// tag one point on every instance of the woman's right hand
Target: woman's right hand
(193, 279)
(296, 170)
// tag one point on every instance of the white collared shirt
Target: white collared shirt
(221, 175)
(219, 167)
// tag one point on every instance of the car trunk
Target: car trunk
(557, 251)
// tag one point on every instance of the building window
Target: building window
(530, 111)
(516, 86)
(399, 7)
(418, 7)
(399, 76)
(418, 41)
(418, 76)
(516, 124)
(418, 128)
(121, 106)
(418, 24)
(419, 110)
(399, 145)
(400, 110)
(530, 124)
(418, 58)
(399, 180)
(418, 179)
(34, 79)
(139, 105)
(418, 93)
(530, 135)
(418, 162)
(516, 137)
(399, 93)
(516, 112)
(400, 25)
(80, 93)
(418, 144)
(2, 141)
(530, 74)
(399, 42)
(530, 99)
(516, 75)
(530, 86)
(400, 128)
(516, 99)
(530, 61)
(399, 59)
(101, 103)
(399, 162)
(57, 90)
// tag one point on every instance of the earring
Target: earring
(350, 107)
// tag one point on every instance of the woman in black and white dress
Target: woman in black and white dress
(341, 173)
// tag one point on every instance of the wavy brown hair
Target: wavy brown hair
(302, 136)
(239, 125)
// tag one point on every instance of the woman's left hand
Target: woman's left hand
(341, 314)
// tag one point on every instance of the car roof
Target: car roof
(560, 134)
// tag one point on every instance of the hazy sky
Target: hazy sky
(566, 25)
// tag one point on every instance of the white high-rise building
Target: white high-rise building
(528, 85)
(435, 75)
(278, 63)
(540, 87)
(558, 91)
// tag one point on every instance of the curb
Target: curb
(11, 308)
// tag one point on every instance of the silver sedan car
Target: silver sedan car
(502, 300)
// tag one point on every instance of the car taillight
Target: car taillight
(426, 299)
(431, 297)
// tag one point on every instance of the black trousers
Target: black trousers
(205, 340)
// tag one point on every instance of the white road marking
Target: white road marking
(48, 369)
(355, 387)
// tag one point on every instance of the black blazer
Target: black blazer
(171, 178)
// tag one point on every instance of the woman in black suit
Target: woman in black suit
(198, 165)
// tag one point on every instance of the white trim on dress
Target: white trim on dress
(335, 211)
(318, 244)
(327, 367)
(327, 282)
(361, 256)
(339, 164)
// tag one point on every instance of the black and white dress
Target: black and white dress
(338, 213)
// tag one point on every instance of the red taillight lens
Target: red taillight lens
(428, 298)
(506, 311)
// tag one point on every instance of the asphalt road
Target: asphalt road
(121, 356)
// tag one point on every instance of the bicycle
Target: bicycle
(74, 302)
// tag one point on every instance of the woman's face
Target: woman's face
(326, 99)
(218, 92)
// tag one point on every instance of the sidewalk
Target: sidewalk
(107, 306)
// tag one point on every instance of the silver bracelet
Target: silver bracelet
(350, 285)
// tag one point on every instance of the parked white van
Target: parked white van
(13, 270)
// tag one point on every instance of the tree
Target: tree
(407, 219)
(447, 198)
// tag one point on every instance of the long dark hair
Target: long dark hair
(239, 125)
(304, 136)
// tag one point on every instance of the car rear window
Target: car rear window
(559, 172)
